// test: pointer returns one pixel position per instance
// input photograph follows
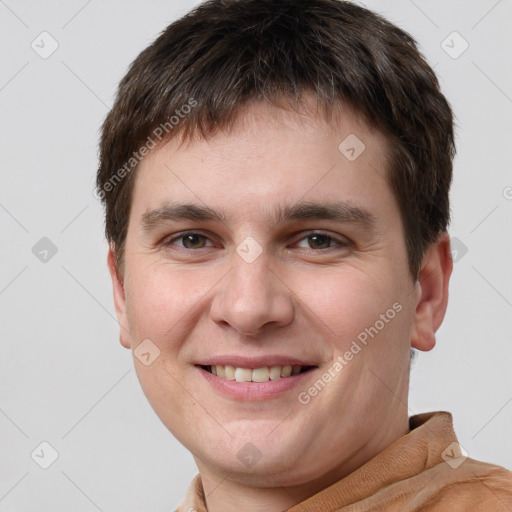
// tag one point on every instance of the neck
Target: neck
(229, 496)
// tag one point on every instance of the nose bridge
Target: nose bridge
(251, 296)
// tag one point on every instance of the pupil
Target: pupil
(194, 238)
(324, 237)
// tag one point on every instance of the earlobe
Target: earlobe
(432, 283)
(119, 298)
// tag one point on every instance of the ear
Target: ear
(119, 298)
(432, 284)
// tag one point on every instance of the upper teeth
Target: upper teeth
(255, 374)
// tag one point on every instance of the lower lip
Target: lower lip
(255, 390)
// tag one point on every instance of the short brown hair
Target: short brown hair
(225, 54)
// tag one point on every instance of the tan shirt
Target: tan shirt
(422, 471)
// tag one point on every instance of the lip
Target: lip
(253, 391)
(254, 362)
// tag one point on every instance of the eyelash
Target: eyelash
(343, 243)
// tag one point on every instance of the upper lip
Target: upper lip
(254, 362)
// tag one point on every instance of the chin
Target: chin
(260, 465)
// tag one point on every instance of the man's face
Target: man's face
(250, 290)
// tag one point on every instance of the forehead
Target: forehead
(269, 156)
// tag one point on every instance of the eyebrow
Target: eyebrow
(343, 212)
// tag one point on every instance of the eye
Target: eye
(322, 241)
(190, 240)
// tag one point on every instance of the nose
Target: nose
(252, 297)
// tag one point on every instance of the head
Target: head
(276, 182)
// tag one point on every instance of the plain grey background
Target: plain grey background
(64, 377)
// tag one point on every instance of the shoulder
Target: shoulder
(474, 486)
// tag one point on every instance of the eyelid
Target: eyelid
(340, 239)
(178, 236)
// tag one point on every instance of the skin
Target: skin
(298, 298)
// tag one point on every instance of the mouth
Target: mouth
(261, 374)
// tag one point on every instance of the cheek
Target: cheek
(160, 304)
(161, 301)
(344, 302)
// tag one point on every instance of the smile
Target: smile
(262, 374)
